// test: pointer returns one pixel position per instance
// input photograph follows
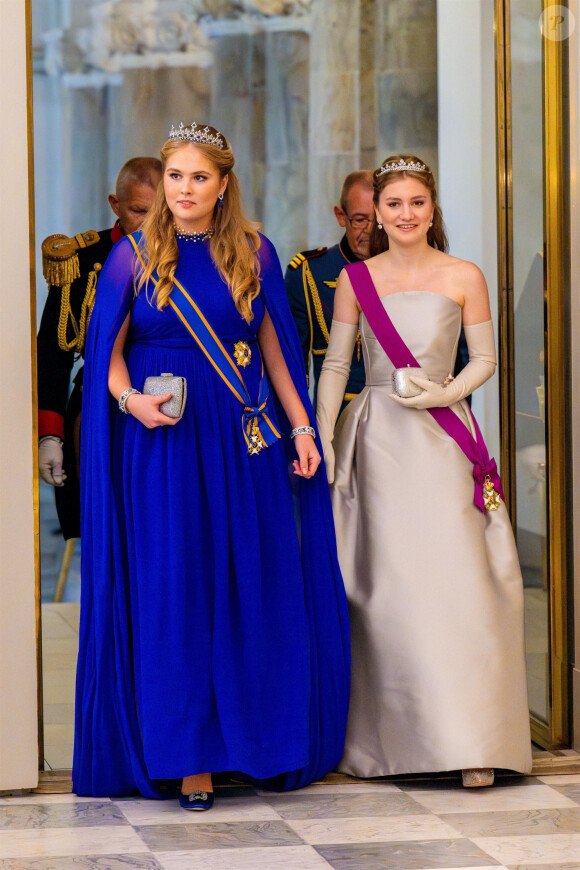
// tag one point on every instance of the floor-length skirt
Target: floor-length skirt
(434, 585)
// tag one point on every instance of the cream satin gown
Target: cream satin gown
(434, 585)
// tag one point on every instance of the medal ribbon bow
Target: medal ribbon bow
(258, 428)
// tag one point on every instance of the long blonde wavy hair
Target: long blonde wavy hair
(233, 246)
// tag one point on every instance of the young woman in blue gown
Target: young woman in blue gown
(212, 639)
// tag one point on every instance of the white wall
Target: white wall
(18, 728)
(467, 163)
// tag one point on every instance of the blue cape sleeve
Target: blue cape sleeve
(324, 589)
(108, 758)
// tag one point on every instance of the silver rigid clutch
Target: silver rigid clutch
(168, 383)
(402, 383)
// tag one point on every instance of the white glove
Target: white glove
(481, 366)
(332, 384)
(50, 460)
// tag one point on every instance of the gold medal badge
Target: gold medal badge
(491, 498)
(242, 354)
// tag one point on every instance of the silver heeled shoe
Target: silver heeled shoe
(477, 777)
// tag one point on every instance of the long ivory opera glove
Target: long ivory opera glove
(332, 384)
(479, 369)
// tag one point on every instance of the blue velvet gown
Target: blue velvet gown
(211, 639)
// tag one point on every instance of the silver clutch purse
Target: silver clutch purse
(168, 383)
(402, 383)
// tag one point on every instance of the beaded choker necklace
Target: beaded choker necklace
(200, 236)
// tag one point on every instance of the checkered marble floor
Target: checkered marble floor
(529, 823)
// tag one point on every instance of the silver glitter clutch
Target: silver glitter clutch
(402, 383)
(168, 383)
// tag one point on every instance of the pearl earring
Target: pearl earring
(380, 226)
(431, 224)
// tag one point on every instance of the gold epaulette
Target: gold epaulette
(302, 256)
(60, 262)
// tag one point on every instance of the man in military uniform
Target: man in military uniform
(71, 268)
(311, 279)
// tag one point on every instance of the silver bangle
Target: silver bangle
(303, 430)
(124, 396)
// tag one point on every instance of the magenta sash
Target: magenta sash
(484, 468)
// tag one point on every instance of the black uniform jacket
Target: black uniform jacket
(60, 342)
(310, 284)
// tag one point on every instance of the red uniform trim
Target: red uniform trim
(117, 233)
(50, 423)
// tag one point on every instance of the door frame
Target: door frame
(556, 733)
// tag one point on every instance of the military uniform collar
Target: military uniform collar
(116, 233)
(347, 252)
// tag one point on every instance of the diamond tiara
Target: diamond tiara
(401, 166)
(197, 134)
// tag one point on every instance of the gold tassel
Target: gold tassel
(58, 273)
(60, 263)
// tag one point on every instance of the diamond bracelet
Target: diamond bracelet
(303, 430)
(124, 396)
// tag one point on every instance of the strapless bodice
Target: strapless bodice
(428, 323)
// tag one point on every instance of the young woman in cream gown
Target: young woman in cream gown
(434, 585)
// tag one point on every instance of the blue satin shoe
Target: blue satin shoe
(197, 800)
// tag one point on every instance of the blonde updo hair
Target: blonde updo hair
(436, 237)
(233, 246)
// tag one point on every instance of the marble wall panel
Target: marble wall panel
(286, 137)
(334, 128)
(287, 214)
(232, 104)
(368, 26)
(254, 150)
(370, 158)
(335, 35)
(406, 76)
(287, 58)
(147, 104)
(368, 111)
(368, 90)
(85, 163)
(406, 34)
(407, 110)
(334, 110)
